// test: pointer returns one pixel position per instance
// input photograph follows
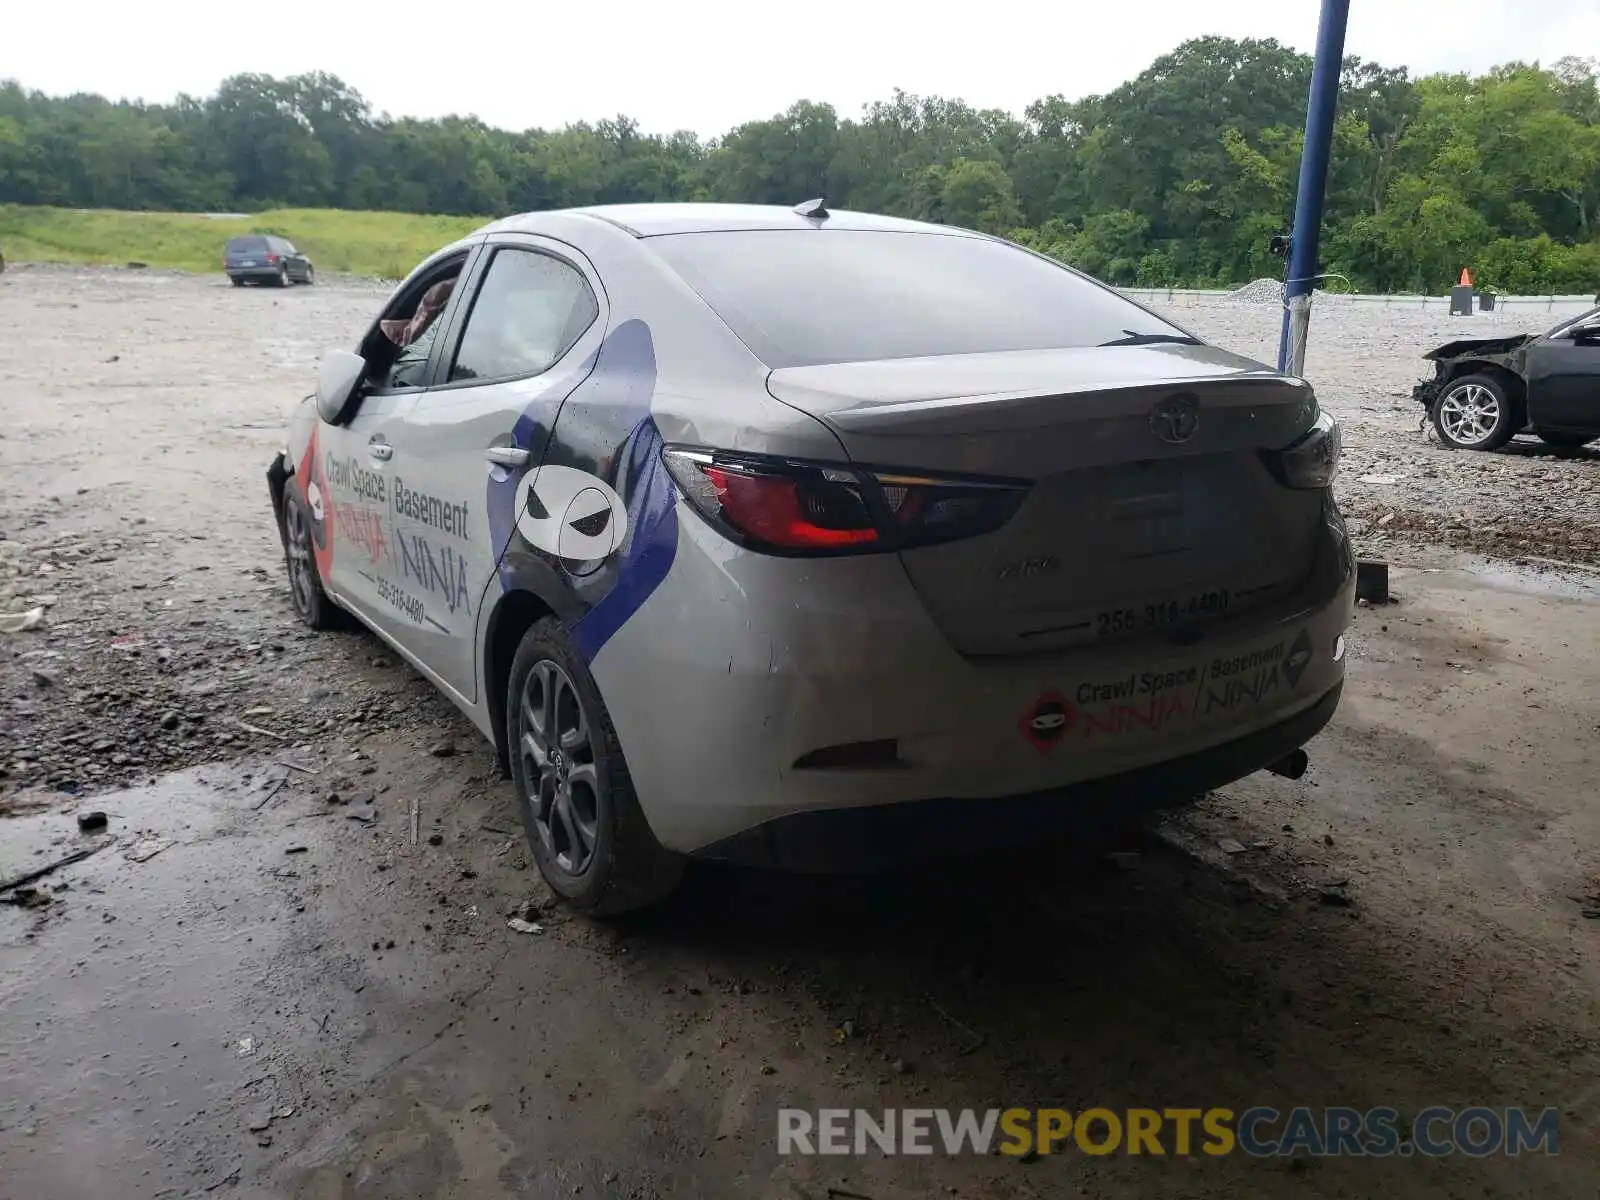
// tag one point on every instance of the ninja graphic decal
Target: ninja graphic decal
(652, 539)
(596, 518)
(571, 515)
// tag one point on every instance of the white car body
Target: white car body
(1158, 612)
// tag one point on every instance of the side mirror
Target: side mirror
(337, 376)
(1587, 335)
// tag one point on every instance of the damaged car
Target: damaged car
(818, 540)
(1485, 391)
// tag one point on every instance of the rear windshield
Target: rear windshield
(803, 297)
(246, 245)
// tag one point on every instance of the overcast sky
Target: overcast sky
(708, 65)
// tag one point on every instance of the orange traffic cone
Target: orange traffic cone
(1466, 278)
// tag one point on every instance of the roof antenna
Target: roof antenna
(814, 210)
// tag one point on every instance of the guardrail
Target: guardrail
(1177, 296)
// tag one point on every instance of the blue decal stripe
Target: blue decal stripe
(652, 541)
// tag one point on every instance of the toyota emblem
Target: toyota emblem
(1176, 419)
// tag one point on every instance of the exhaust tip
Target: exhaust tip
(1291, 765)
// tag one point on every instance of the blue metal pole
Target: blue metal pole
(1314, 165)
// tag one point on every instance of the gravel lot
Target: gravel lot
(1527, 500)
(260, 984)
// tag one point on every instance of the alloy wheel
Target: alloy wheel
(560, 775)
(1470, 414)
(301, 568)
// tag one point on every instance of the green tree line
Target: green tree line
(1178, 177)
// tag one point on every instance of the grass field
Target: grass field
(362, 243)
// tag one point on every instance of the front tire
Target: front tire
(582, 818)
(1474, 413)
(311, 276)
(311, 603)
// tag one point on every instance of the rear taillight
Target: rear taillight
(272, 258)
(1312, 460)
(785, 506)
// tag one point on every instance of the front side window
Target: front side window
(397, 351)
(529, 311)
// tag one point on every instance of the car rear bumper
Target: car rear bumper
(740, 668)
(256, 272)
(882, 836)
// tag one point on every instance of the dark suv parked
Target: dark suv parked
(265, 259)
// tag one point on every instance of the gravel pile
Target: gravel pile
(1259, 291)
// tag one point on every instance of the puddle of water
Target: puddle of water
(1560, 580)
(127, 996)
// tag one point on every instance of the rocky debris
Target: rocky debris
(137, 684)
(1333, 894)
(443, 749)
(21, 622)
(147, 848)
(92, 822)
(27, 897)
(1258, 292)
(50, 868)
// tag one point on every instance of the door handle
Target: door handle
(381, 451)
(507, 456)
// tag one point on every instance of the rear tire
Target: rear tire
(1474, 413)
(236, 281)
(311, 603)
(1565, 439)
(582, 818)
(283, 275)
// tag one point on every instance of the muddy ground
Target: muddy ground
(258, 983)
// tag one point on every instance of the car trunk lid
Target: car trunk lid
(1136, 525)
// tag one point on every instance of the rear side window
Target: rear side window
(803, 297)
(246, 245)
(528, 312)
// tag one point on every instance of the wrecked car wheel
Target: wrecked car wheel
(1565, 439)
(1474, 413)
(583, 821)
(311, 603)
